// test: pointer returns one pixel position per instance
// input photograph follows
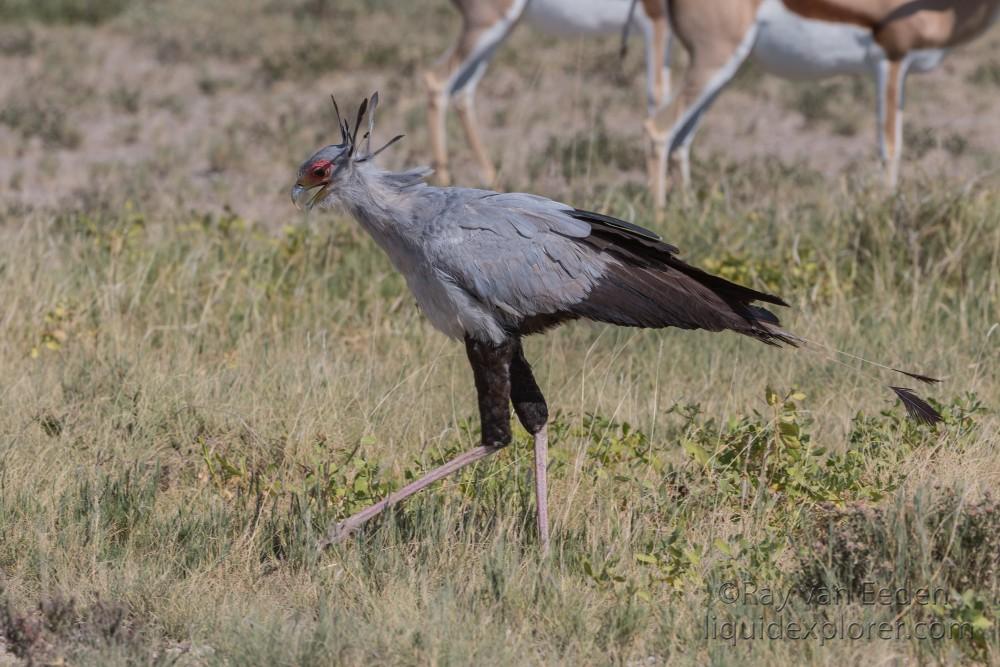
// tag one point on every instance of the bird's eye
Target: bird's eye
(320, 172)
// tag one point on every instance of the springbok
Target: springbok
(806, 39)
(901, 26)
(487, 23)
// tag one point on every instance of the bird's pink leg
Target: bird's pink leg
(541, 487)
(337, 533)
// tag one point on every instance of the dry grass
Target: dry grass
(196, 380)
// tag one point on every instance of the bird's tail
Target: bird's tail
(647, 285)
(766, 327)
(918, 409)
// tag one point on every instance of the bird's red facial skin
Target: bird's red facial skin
(316, 173)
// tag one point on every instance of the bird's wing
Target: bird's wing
(540, 262)
(518, 254)
(647, 285)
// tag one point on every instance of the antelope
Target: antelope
(901, 26)
(487, 23)
(806, 39)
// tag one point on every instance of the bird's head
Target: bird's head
(320, 178)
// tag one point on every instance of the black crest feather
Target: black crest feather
(372, 105)
(387, 144)
(916, 407)
(357, 124)
(340, 121)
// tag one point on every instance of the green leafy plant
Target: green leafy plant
(801, 273)
(759, 457)
(671, 560)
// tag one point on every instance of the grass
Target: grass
(63, 11)
(206, 397)
(196, 382)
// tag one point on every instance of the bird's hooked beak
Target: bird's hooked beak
(317, 175)
(313, 181)
(301, 197)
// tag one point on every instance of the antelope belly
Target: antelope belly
(796, 48)
(572, 17)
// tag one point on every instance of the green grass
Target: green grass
(63, 11)
(196, 381)
(189, 402)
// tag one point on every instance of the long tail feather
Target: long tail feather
(916, 376)
(926, 379)
(916, 407)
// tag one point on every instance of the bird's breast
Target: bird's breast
(450, 309)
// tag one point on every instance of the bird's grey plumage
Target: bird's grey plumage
(516, 255)
(488, 264)
(478, 262)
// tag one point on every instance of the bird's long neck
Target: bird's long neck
(382, 202)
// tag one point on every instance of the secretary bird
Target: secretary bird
(490, 268)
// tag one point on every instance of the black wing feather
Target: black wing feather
(649, 286)
(615, 223)
(626, 235)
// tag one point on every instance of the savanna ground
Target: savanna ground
(196, 379)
